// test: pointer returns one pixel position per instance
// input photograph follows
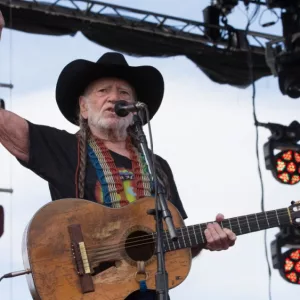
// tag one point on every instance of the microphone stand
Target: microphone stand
(161, 212)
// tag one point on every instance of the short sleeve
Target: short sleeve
(52, 153)
(175, 198)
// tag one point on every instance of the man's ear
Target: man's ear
(83, 105)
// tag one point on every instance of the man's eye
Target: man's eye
(125, 92)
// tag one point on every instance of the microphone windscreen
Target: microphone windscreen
(119, 108)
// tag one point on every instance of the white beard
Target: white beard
(113, 127)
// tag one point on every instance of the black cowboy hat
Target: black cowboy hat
(75, 77)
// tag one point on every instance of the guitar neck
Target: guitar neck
(191, 236)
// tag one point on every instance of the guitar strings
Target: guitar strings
(190, 229)
(108, 254)
(99, 252)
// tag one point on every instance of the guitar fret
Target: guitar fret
(239, 225)
(273, 219)
(195, 234)
(284, 216)
(188, 234)
(178, 240)
(183, 238)
(257, 221)
(277, 217)
(244, 228)
(234, 225)
(248, 223)
(202, 238)
(267, 219)
(253, 222)
(230, 224)
(263, 220)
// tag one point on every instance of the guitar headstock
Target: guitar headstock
(294, 210)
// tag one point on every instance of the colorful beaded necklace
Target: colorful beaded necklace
(109, 176)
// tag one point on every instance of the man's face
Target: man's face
(97, 105)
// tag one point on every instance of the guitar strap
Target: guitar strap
(141, 275)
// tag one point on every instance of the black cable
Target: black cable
(15, 274)
(251, 73)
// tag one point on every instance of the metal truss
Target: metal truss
(6, 191)
(141, 21)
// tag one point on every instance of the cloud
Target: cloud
(209, 142)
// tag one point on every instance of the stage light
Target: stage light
(288, 68)
(285, 251)
(283, 56)
(282, 152)
(291, 267)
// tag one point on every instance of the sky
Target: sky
(204, 130)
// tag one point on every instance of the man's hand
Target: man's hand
(218, 238)
(2, 23)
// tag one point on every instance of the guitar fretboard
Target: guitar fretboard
(193, 235)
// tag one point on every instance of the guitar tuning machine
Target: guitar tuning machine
(295, 205)
(295, 202)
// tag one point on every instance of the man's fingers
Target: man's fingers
(219, 217)
(231, 236)
(222, 236)
(212, 237)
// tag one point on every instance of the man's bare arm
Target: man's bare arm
(14, 134)
(2, 23)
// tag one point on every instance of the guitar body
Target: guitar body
(108, 234)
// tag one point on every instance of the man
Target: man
(102, 162)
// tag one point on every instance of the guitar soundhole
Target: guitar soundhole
(140, 245)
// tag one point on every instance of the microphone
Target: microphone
(123, 108)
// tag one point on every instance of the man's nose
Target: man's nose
(114, 95)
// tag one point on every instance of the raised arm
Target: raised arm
(13, 129)
(2, 23)
(14, 134)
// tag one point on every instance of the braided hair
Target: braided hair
(82, 156)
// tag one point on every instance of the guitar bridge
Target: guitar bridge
(81, 259)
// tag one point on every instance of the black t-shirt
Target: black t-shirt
(53, 155)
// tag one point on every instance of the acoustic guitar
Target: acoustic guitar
(78, 249)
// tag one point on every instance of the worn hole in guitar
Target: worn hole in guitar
(139, 245)
(103, 266)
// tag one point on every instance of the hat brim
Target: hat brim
(77, 75)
